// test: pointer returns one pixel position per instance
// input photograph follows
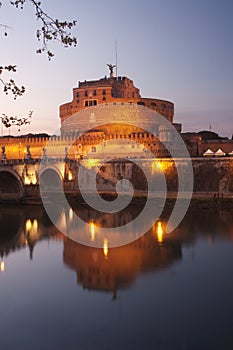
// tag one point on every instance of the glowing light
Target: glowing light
(160, 166)
(27, 180)
(105, 248)
(35, 226)
(34, 180)
(71, 214)
(156, 166)
(28, 225)
(70, 176)
(30, 179)
(160, 232)
(91, 163)
(31, 228)
(92, 229)
(2, 266)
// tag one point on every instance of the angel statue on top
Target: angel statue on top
(111, 66)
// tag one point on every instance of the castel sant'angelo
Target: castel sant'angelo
(107, 123)
(108, 91)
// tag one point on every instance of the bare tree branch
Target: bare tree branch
(51, 29)
(15, 121)
(11, 85)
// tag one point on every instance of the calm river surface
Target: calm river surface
(163, 291)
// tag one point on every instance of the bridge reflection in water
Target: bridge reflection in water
(106, 269)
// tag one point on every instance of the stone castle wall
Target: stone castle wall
(16, 147)
(121, 89)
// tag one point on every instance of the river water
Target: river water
(163, 291)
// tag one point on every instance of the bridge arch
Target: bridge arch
(50, 178)
(11, 185)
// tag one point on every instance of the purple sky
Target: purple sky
(173, 49)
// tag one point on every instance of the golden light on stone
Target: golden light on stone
(70, 176)
(91, 163)
(30, 179)
(27, 180)
(34, 180)
(157, 166)
(105, 248)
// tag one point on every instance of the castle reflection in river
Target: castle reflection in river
(107, 269)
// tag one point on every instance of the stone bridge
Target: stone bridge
(20, 179)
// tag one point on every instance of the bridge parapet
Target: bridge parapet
(20, 178)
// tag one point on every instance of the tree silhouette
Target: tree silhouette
(10, 85)
(16, 121)
(50, 29)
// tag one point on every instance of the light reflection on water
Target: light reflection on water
(163, 291)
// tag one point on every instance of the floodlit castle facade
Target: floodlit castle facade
(111, 90)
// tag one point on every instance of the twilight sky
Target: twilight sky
(179, 50)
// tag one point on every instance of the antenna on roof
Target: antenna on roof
(116, 56)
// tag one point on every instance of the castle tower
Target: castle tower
(110, 90)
